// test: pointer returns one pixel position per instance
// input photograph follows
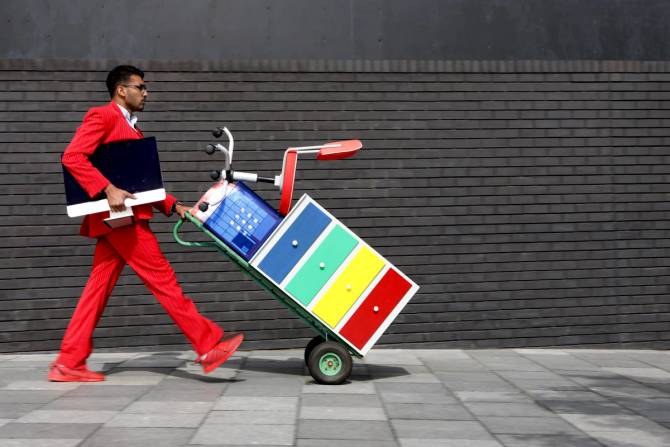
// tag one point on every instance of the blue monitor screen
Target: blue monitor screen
(243, 221)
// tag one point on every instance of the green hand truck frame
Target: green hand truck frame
(333, 362)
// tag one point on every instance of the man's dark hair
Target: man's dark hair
(119, 75)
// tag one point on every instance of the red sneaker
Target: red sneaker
(226, 337)
(61, 373)
(220, 353)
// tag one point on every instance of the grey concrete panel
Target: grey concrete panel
(260, 29)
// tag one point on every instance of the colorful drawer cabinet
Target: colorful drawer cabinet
(334, 275)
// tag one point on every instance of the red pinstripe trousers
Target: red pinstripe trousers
(137, 246)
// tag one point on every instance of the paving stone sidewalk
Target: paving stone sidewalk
(396, 398)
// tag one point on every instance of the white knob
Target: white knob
(294, 243)
(375, 309)
(348, 286)
(322, 265)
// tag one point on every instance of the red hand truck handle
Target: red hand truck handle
(290, 163)
(335, 150)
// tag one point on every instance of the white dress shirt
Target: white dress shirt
(130, 118)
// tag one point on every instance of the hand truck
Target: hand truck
(304, 257)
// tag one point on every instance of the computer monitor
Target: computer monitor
(132, 165)
(241, 219)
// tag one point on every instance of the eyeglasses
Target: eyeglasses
(140, 87)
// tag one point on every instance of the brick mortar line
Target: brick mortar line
(358, 66)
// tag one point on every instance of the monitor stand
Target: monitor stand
(118, 219)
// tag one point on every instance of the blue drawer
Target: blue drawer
(293, 244)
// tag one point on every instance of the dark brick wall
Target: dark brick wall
(529, 199)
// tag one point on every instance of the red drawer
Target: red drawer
(384, 297)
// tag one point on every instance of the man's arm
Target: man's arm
(165, 206)
(171, 205)
(86, 140)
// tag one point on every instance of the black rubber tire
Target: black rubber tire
(342, 359)
(311, 345)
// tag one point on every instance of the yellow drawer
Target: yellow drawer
(346, 289)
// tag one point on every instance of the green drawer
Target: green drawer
(321, 265)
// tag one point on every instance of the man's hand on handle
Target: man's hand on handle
(181, 209)
(116, 197)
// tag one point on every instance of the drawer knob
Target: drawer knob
(348, 287)
(375, 309)
(294, 243)
(322, 265)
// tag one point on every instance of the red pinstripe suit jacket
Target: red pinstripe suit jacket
(102, 125)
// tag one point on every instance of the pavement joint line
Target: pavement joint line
(598, 368)
(385, 410)
(149, 389)
(523, 391)
(475, 418)
(299, 406)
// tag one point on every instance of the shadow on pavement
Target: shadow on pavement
(166, 363)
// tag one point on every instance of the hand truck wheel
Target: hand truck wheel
(330, 363)
(310, 346)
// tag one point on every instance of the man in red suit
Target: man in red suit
(134, 244)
